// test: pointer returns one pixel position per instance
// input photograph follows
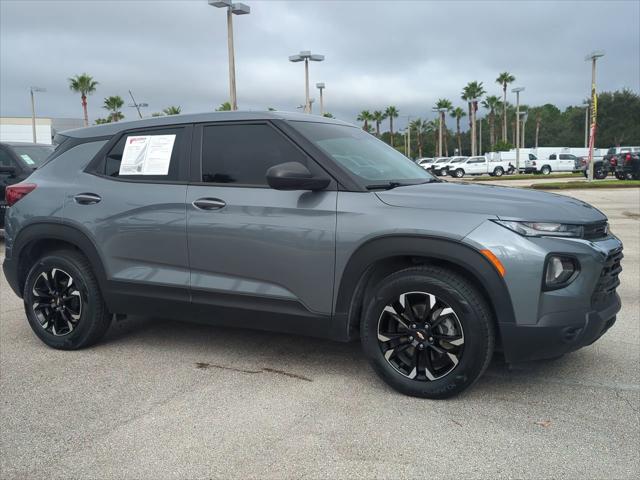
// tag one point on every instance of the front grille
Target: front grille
(608, 281)
(596, 231)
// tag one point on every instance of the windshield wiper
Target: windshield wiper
(386, 186)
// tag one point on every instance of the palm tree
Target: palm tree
(471, 93)
(113, 104)
(224, 107)
(504, 79)
(458, 113)
(84, 85)
(444, 104)
(365, 116)
(172, 110)
(420, 127)
(492, 103)
(391, 112)
(378, 117)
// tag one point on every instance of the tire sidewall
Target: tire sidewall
(498, 172)
(459, 173)
(545, 170)
(475, 332)
(83, 329)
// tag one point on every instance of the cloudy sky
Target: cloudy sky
(378, 53)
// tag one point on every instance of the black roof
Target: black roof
(110, 129)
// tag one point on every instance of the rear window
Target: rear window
(33, 155)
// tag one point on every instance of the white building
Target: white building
(20, 129)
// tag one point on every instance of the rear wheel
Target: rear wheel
(63, 302)
(427, 332)
(459, 173)
(498, 172)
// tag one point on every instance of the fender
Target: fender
(53, 231)
(451, 251)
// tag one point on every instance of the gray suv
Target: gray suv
(305, 225)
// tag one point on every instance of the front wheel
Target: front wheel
(546, 170)
(63, 302)
(427, 332)
(599, 173)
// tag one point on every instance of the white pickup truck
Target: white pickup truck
(478, 166)
(556, 162)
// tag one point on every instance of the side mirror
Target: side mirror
(294, 176)
(8, 169)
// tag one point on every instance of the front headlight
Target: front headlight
(542, 229)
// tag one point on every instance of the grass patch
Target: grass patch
(528, 176)
(596, 184)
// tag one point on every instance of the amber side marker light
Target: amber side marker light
(494, 261)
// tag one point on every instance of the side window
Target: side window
(552, 156)
(564, 156)
(532, 157)
(242, 154)
(5, 159)
(150, 155)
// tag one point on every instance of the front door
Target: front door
(250, 244)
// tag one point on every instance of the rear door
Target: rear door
(250, 244)
(130, 201)
(566, 163)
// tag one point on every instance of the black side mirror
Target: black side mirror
(294, 176)
(8, 169)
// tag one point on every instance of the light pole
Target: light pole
(586, 105)
(441, 112)
(480, 136)
(517, 91)
(232, 9)
(33, 110)
(320, 86)
(525, 116)
(593, 56)
(306, 56)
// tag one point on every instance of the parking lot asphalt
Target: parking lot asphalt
(163, 399)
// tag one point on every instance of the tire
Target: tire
(619, 175)
(498, 172)
(598, 173)
(545, 170)
(76, 316)
(459, 173)
(628, 176)
(469, 321)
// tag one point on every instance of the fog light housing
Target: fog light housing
(559, 271)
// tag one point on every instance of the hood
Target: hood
(506, 203)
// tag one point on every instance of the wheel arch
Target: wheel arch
(379, 257)
(34, 240)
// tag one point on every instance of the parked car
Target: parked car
(304, 224)
(17, 162)
(425, 162)
(556, 162)
(608, 164)
(439, 166)
(628, 165)
(478, 165)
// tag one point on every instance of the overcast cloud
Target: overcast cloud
(403, 53)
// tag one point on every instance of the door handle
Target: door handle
(87, 198)
(209, 203)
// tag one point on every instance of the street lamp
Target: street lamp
(306, 56)
(441, 112)
(232, 9)
(33, 110)
(320, 86)
(593, 56)
(517, 91)
(137, 105)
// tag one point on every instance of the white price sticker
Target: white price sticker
(147, 155)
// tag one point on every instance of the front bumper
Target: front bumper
(556, 334)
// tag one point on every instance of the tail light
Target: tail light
(613, 161)
(627, 158)
(13, 193)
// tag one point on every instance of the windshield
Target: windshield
(458, 160)
(33, 155)
(363, 154)
(444, 160)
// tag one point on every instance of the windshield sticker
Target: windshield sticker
(147, 155)
(27, 159)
